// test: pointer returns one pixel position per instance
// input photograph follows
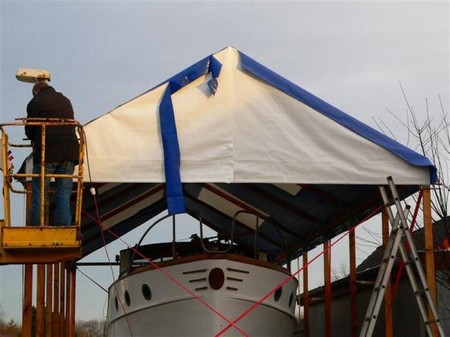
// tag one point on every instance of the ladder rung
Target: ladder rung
(378, 288)
(370, 318)
(431, 322)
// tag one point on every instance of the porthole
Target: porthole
(146, 292)
(291, 299)
(277, 294)
(216, 278)
(127, 298)
(116, 303)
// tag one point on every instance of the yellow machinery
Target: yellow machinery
(21, 243)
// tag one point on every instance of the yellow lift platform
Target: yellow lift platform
(38, 244)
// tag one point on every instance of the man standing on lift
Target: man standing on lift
(61, 152)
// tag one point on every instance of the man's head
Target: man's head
(38, 87)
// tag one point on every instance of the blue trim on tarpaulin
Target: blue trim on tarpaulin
(337, 115)
(174, 190)
(172, 161)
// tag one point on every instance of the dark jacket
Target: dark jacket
(61, 143)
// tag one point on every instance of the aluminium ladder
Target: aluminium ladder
(421, 291)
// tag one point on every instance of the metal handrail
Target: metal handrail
(196, 215)
(257, 225)
(136, 247)
(193, 214)
(8, 176)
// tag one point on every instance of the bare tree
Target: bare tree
(92, 328)
(430, 137)
(340, 272)
(8, 329)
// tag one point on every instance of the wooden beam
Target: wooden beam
(353, 286)
(56, 281)
(49, 301)
(62, 299)
(68, 304)
(429, 252)
(327, 286)
(70, 299)
(73, 283)
(306, 299)
(27, 300)
(40, 300)
(388, 327)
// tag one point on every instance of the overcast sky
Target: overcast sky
(102, 53)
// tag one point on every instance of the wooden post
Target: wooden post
(306, 330)
(298, 292)
(40, 300)
(49, 301)
(62, 300)
(429, 251)
(327, 281)
(73, 296)
(67, 297)
(353, 288)
(56, 273)
(27, 300)
(388, 327)
(69, 301)
(72, 300)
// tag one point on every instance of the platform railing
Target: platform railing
(9, 176)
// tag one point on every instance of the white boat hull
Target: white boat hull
(180, 300)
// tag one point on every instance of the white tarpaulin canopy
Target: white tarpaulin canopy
(227, 134)
(248, 131)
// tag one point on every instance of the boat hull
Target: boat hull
(222, 295)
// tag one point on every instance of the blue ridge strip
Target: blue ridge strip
(277, 81)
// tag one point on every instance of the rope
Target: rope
(98, 221)
(92, 280)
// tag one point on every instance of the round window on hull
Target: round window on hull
(146, 292)
(127, 298)
(216, 278)
(277, 294)
(291, 299)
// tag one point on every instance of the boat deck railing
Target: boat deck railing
(224, 243)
